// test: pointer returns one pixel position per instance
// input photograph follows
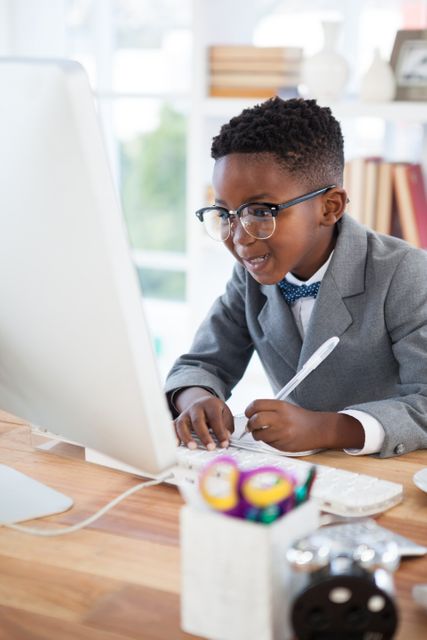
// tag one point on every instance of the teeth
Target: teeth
(257, 260)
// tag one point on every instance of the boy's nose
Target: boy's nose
(238, 232)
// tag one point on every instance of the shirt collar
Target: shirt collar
(316, 277)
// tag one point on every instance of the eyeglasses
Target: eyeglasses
(257, 218)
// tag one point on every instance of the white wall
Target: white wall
(30, 28)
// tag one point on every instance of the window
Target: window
(137, 55)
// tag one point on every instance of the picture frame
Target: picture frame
(409, 63)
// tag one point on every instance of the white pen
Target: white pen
(312, 363)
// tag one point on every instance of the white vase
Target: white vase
(326, 73)
(378, 83)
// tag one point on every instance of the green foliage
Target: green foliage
(153, 184)
(167, 285)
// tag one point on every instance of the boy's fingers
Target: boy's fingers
(201, 428)
(175, 430)
(256, 421)
(264, 433)
(256, 406)
(259, 422)
(183, 431)
(212, 424)
(216, 423)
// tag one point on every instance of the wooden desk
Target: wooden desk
(119, 579)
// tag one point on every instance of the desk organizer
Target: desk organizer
(236, 582)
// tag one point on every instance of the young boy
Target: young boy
(305, 271)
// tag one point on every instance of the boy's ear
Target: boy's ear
(334, 203)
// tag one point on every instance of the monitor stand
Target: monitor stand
(24, 498)
(50, 443)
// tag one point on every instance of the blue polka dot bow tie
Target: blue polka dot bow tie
(292, 292)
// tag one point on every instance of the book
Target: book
(240, 72)
(419, 200)
(254, 79)
(384, 199)
(405, 204)
(255, 65)
(238, 51)
(356, 173)
(347, 177)
(242, 92)
(371, 169)
(395, 228)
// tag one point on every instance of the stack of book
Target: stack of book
(389, 197)
(258, 72)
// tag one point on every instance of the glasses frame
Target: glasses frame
(274, 208)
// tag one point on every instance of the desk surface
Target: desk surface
(119, 579)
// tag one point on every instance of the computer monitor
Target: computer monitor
(76, 357)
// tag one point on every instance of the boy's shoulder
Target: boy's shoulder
(380, 246)
(366, 259)
(395, 251)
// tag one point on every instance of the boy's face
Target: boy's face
(304, 235)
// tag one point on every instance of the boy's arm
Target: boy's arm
(222, 346)
(404, 416)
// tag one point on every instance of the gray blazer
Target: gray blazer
(373, 296)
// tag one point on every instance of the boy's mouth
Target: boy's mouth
(256, 263)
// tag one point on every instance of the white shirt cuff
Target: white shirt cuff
(374, 433)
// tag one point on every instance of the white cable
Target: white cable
(75, 527)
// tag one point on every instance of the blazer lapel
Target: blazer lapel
(278, 325)
(330, 317)
(345, 277)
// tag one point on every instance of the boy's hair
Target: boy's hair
(303, 137)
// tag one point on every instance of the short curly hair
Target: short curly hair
(303, 137)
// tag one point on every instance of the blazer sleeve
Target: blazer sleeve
(404, 417)
(222, 346)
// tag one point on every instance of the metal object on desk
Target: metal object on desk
(419, 593)
(347, 591)
(354, 530)
(420, 479)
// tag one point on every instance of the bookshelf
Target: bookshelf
(396, 111)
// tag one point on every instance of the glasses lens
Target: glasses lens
(216, 224)
(258, 221)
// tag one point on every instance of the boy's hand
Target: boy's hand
(291, 428)
(204, 414)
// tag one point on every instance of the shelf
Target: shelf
(390, 111)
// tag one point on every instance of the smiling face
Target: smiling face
(305, 233)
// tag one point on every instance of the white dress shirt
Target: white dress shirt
(301, 309)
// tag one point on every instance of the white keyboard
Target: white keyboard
(336, 491)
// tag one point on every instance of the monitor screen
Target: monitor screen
(76, 357)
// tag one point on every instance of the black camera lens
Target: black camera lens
(334, 607)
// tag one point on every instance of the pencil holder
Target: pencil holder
(236, 582)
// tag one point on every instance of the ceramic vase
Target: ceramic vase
(326, 73)
(378, 83)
